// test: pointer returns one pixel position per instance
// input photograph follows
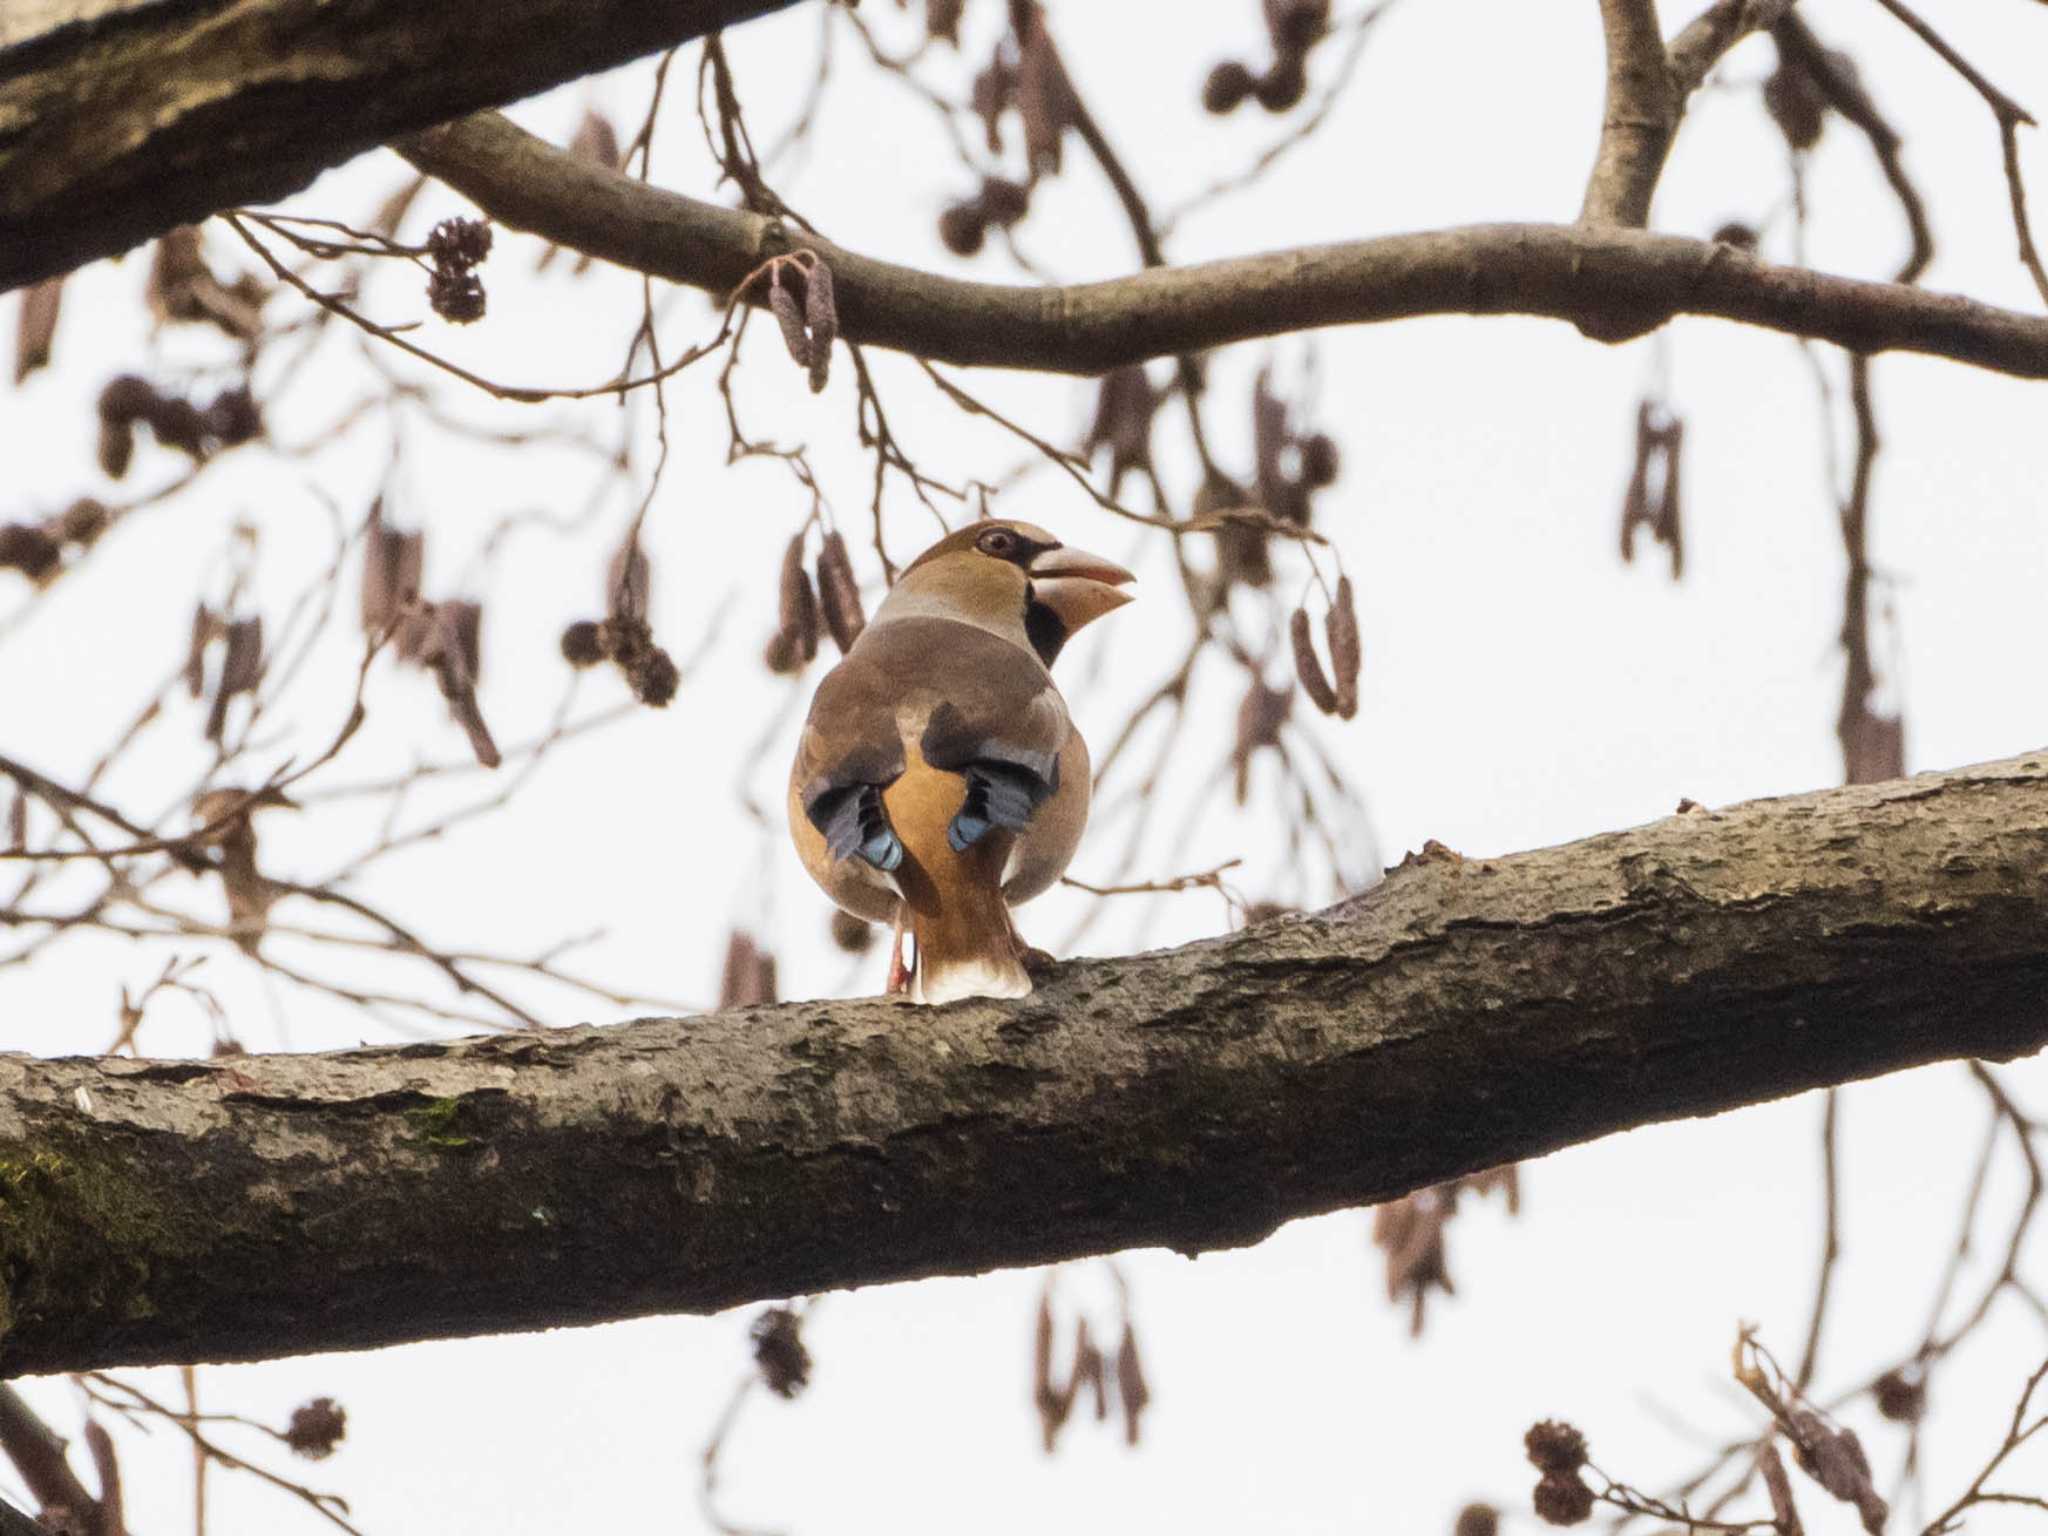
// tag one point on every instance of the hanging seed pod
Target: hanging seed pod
(821, 314)
(942, 20)
(205, 626)
(1794, 99)
(392, 562)
(1004, 202)
(748, 979)
(1242, 555)
(177, 269)
(1307, 667)
(1123, 421)
(1670, 527)
(1088, 1371)
(1052, 1411)
(125, 399)
(581, 646)
(852, 935)
(1284, 83)
(83, 522)
(37, 326)
(963, 227)
(990, 96)
(1131, 1389)
(1340, 628)
(117, 447)
(1784, 1513)
(654, 677)
(1319, 460)
(596, 141)
(316, 1428)
(787, 315)
(1228, 85)
(1295, 25)
(798, 606)
(448, 648)
(1045, 99)
(30, 550)
(779, 1352)
(781, 655)
(839, 593)
(1259, 718)
(240, 671)
(233, 418)
(626, 583)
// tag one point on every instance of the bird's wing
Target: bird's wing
(1000, 724)
(975, 704)
(850, 751)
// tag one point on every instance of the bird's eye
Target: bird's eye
(999, 542)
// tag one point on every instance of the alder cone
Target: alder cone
(1563, 1500)
(850, 934)
(580, 644)
(1003, 201)
(1228, 85)
(1283, 85)
(963, 227)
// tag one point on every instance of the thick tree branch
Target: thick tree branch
(122, 118)
(1611, 283)
(1463, 1014)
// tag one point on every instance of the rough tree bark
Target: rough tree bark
(122, 118)
(1462, 1014)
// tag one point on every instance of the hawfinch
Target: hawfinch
(939, 781)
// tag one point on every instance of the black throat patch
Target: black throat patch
(1046, 630)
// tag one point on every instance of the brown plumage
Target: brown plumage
(939, 780)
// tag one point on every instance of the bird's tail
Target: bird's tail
(968, 950)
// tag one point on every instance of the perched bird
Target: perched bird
(939, 780)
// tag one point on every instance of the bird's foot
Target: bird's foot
(1037, 963)
(899, 971)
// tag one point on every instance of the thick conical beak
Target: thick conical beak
(1077, 586)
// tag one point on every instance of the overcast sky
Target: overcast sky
(1522, 687)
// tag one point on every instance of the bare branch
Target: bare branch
(1639, 120)
(2011, 117)
(1696, 50)
(1611, 283)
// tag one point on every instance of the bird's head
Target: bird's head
(1015, 579)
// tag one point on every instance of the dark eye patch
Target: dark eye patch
(1008, 544)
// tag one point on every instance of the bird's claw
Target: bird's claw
(899, 971)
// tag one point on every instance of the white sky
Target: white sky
(1522, 687)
